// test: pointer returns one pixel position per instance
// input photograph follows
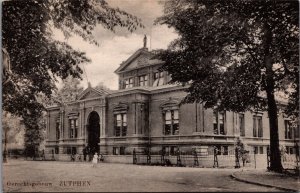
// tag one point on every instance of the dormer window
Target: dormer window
(129, 83)
(158, 79)
(143, 80)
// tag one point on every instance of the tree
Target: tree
(101, 86)
(236, 55)
(70, 90)
(12, 132)
(37, 60)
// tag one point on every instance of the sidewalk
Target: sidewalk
(270, 179)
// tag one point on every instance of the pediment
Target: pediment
(140, 58)
(170, 104)
(91, 93)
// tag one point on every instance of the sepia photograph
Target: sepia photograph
(150, 96)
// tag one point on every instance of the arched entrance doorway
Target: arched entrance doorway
(93, 129)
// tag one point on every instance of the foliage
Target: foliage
(13, 128)
(70, 90)
(220, 50)
(101, 86)
(37, 60)
(236, 55)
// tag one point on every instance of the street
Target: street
(45, 176)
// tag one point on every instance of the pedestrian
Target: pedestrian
(95, 160)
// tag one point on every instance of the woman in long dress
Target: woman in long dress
(95, 159)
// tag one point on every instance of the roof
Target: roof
(146, 60)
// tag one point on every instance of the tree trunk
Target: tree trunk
(275, 157)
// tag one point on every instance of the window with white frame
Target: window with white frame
(129, 83)
(158, 79)
(171, 122)
(257, 126)
(73, 124)
(143, 80)
(242, 124)
(120, 124)
(288, 132)
(219, 122)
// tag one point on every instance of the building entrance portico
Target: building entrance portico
(93, 130)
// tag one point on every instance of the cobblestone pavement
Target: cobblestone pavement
(45, 176)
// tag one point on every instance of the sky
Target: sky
(117, 47)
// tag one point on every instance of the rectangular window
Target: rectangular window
(129, 83)
(257, 126)
(57, 130)
(115, 151)
(158, 79)
(76, 127)
(219, 123)
(73, 128)
(254, 127)
(122, 150)
(261, 150)
(287, 129)
(171, 126)
(242, 124)
(215, 122)
(255, 150)
(124, 124)
(120, 125)
(143, 80)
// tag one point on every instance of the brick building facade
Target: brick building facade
(145, 113)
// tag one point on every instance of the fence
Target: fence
(231, 159)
